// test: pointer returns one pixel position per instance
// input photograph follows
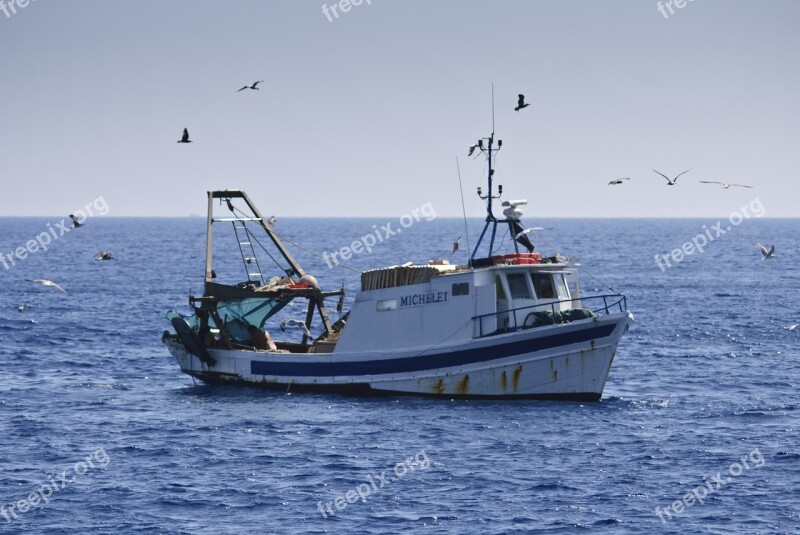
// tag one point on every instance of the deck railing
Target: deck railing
(611, 303)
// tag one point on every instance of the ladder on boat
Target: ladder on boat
(248, 252)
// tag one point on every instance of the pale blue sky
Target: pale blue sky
(366, 115)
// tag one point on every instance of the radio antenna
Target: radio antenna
(463, 208)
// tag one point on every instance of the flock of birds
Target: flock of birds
(767, 253)
(521, 104)
(674, 181)
(102, 255)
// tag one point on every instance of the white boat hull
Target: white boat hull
(566, 361)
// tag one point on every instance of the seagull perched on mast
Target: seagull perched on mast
(674, 180)
(768, 253)
(521, 103)
(45, 282)
(253, 86)
(724, 185)
(185, 137)
(617, 181)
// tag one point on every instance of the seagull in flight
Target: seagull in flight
(793, 327)
(272, 220)
(617, 181)
(674, 180)
(768, 253)
(253, 86)
(529, 230)
(45, 282)
(724, 185)
(295, 323)
(521, 103)
(104, 255)
(185, 137)
(75, 221)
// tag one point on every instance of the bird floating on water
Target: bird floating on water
(724, 185)
(185, 137)
(104, 255)
(252, 86)
(768, 253)
(75, 221)
(23, 306)
(792, 327)
(521, 103)
(45, 282)
(617, 181)
(674, 180)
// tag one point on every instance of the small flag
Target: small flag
(455, 245)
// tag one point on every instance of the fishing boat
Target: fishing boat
(502, 326)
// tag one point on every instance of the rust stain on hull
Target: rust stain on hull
(463, 386)
(515, 377)
(504, 381)
(438, 387)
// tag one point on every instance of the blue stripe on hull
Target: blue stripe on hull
(427, 362)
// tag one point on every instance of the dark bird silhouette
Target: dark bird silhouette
(671, 182)
(724, 185)
(75, 221)
(521, 103)
(768, 253)
(185, 137)
(272, 220)
(104, 255)
(253, 86)
(617, 181)
(472, 149)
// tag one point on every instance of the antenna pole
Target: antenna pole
(492, 109)
(463, 208)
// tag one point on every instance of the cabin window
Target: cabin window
(563, 288)
(543, 286)
(518, 286)
(387, 304)
(501, 293)
(462, 288)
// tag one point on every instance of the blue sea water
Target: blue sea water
(705, 383)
